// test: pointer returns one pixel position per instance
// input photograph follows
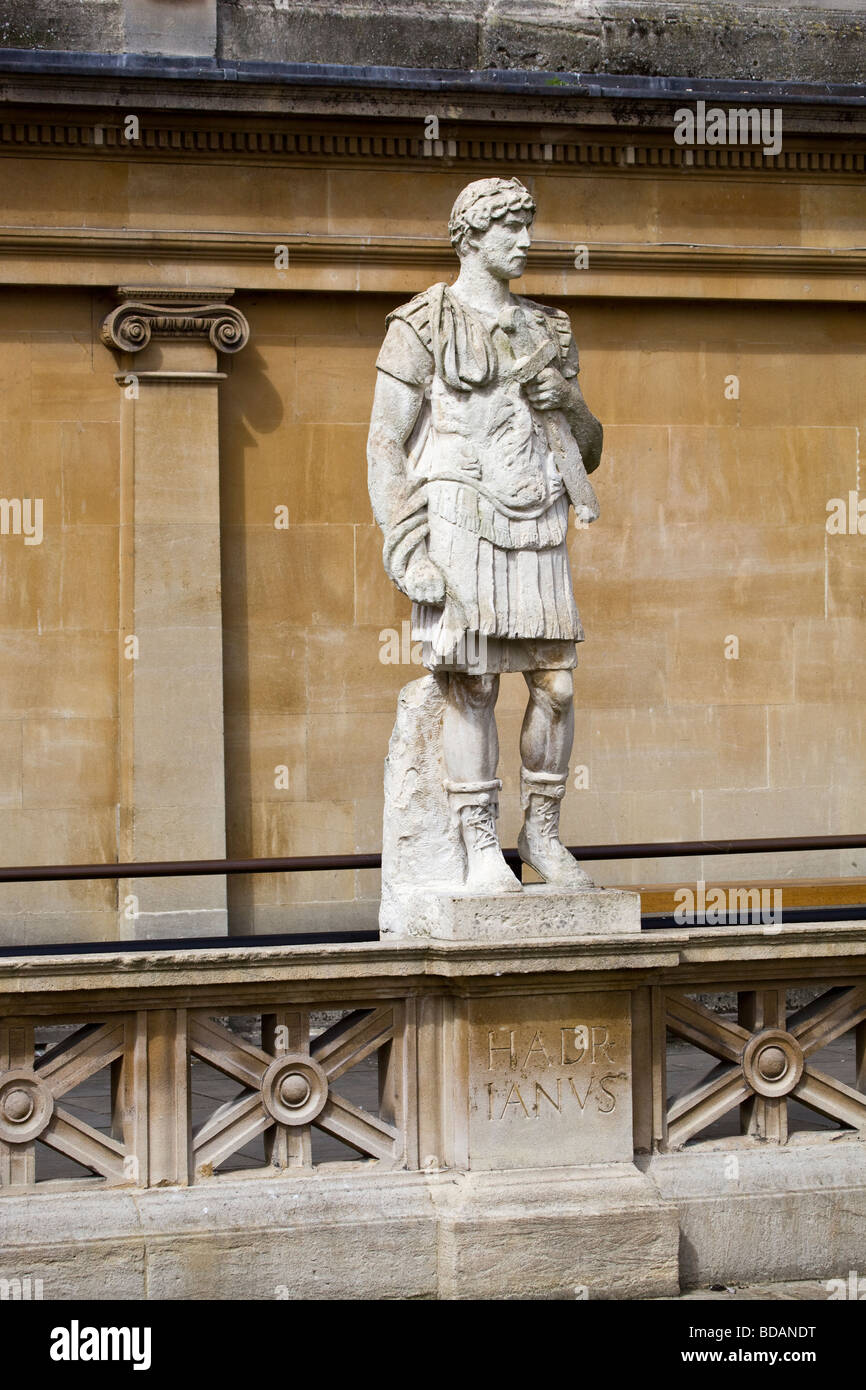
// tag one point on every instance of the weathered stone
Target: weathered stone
(91, 25)
(539, 910)
(421, 842)
(430, 35)
(344, 1237)
(480, 443)
(549, 1081)
(516, 1082)
(769, 1212)
(807, 40)
(188, 30)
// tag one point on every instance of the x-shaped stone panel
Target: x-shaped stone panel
(764, 1059)
(289, 1088)
(30, 1089)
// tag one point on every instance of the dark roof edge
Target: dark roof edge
(493, 81)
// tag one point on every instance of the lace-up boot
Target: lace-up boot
(476, 806)
(539, 844)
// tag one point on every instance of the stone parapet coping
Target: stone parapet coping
(807, 951)
(710, 39)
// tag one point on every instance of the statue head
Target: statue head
(490, 221)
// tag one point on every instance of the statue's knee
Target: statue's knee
(475, 692)
(561, 690)
(554, 690)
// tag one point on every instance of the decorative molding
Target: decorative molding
(26, 1106)
(323, 248)
(170, 313)
(625, 149)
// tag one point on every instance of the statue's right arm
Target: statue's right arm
(396, 502)
(396, 407)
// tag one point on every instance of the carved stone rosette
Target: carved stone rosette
(26, 1106)
(764, 1061)
(289, 1085)
(198, 313)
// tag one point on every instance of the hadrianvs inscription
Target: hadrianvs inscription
(520, 1092)
(552, 1086)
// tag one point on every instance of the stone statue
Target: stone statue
(480, 442)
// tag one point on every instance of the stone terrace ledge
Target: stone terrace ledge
(505, 1108)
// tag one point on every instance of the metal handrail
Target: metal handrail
(309, 863)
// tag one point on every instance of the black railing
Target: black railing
(190, 868)
(309, 863)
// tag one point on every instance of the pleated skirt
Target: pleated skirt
(518, 604)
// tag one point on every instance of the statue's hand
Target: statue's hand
(424, 582)
(549, 390)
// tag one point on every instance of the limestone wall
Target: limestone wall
(713, 525)
(714, 499)
(59, 731)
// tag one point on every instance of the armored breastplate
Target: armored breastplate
(491, 436)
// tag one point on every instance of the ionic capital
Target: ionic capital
(174, 313)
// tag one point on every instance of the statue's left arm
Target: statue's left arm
(585, 427)
(557, 389)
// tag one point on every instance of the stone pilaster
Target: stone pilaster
(172, 799)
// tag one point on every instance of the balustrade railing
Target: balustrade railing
(766, 1060)
(150, 1070)
(288, 1082)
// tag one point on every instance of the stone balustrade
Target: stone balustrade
(512, 1092)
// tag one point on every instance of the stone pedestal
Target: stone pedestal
(497, 1162)
(539, 911)
(423, 857)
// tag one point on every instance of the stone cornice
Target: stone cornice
(680, 956)
(324, 249)
(464, 141)
(172, 313)
(251, 76)
(101, 258)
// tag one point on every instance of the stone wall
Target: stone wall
(59, 730)
(713, 525)
(704, 265)
(810, 40)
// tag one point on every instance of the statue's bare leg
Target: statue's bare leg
(471, 741)
(545, 748)
(471, 748)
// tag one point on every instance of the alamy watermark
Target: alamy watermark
(77, 1343)
(400, 649)
(741, 125)
(852, 1288)
(726, 906)
(21, 1290)
(846, 517)
(22, 516)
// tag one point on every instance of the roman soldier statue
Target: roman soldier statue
(480, 443)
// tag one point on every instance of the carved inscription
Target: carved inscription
(549, 1080)
(551, 1071)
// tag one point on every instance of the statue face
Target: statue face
(502, 248)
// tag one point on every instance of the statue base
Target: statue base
(539, 911)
